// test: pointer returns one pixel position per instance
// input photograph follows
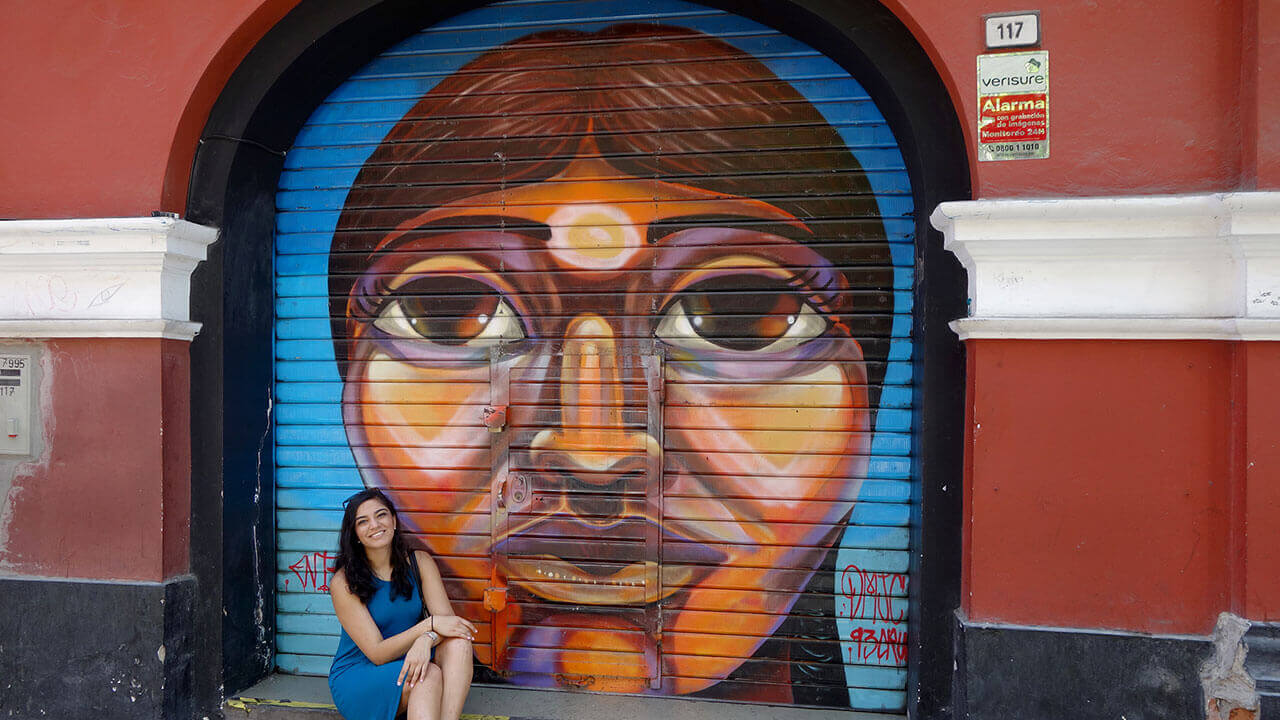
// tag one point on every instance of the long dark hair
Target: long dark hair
(354, 563)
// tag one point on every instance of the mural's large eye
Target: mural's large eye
(741, 312)
(449, 310)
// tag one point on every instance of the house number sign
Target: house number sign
(1011, 30)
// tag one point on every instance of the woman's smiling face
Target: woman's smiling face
(375, 525)
(582, 281)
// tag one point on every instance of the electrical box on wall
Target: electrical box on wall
(15, 405)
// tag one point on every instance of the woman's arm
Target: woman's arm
(443, 620)
(359, 624)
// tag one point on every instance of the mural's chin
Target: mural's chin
(604, 653)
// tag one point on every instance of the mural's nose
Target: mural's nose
(591, 440)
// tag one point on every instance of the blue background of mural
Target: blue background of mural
(338, 139)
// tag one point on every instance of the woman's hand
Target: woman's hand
(453, 626)
(415, 662)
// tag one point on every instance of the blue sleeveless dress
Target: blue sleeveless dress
(360, 689)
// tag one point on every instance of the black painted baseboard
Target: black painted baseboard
(1006, 671)
(94, 649)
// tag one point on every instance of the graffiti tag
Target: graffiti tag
(879, 644)
(313, 571)
(870, 595)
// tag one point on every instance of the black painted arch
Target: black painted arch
(312, 50)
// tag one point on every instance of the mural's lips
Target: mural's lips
(531, 557)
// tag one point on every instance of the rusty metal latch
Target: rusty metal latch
(495, 596)
(495, 599)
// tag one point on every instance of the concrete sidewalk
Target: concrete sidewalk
(293, 697)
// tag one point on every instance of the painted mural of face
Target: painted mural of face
(738, 480)
(572, 240)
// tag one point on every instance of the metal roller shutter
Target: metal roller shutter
(614, 299)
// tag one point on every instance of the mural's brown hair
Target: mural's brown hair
(658, 101)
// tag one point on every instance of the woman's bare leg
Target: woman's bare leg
(405, 688)
(455, 661)
(424, 698)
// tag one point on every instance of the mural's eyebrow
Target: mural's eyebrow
(666, 227)
(462, 223)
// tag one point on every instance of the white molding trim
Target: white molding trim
(1201, 267)
(63, 328)
(99, 277)
(1093, 328)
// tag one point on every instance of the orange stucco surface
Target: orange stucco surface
(111, 97)
(110, 497)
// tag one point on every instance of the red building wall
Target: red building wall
(110, 129)
(1127, 116)
(1261, 468)
(111, 497)
(1100, 492)
(1109, 484)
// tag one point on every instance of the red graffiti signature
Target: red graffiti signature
(313, 570)
(880, 644)
(870, 596)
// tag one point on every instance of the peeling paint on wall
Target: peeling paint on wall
(1230, 692)
(15, 472)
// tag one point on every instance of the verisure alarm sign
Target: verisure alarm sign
(1013, 106)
